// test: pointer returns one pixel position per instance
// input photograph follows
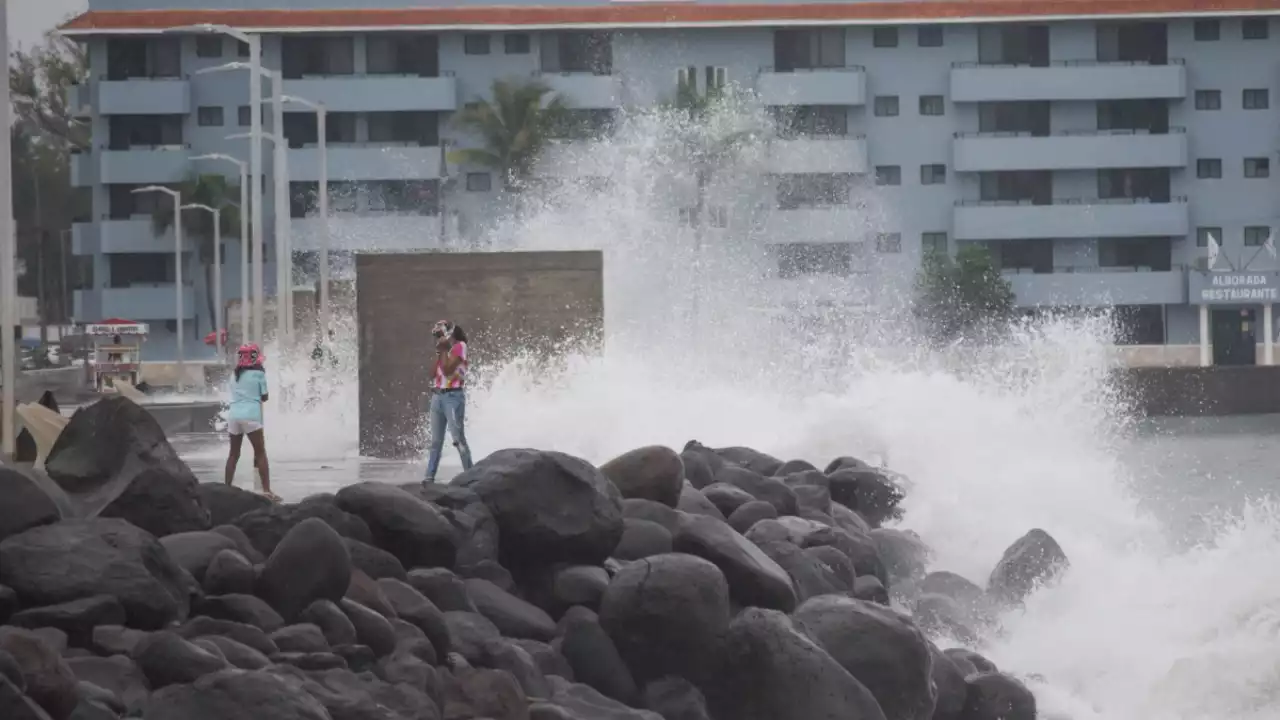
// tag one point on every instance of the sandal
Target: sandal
(271, 496)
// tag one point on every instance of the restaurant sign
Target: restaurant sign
(1233, 288)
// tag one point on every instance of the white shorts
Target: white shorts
(242, 427)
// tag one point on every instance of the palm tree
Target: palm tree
(515, 126)
(216, 192)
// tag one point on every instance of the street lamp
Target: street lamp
(177, 271)
(8, 266)
(284, 246)
(322, 132)
(256, 335)
(217, 274)
(255, 155)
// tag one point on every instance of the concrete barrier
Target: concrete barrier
(1200, 391)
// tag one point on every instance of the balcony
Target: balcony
(84, 238)
(367, 162)
(143, 165)
(836, 154)
(378, 93)
(974, 220)
(144, 96)
(834, 224)
(1068, 80)
(83, 171)
(79, 100)
(384, 232)
(144, 302)
(585, 91)
(1097, 286)
(821, 86)
(576, 158)
(1086, 150)
(135, 235)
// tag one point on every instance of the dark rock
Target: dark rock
(642, 539)
(16, 706)
(48, 680)
(115, 640)
(360, 658)
(836, 563)
(229, 573)
(76, 618)
(25, 504)
(848, 520)
(412, 530)
(8, 603)
(507, 655)
(243, 544)
(240, 632)
(473, 524)
(193, 551)
(884, 650)
(9, 668)
(548, 659)
(550, 507)
(572, 701)
(406, 631)
(727, 497)
(301, 638)
(594, 658)
(953, 586)
(794, 466)
(904, 554)
(492, 572)
(860, 549)
(482, 693)
(225, 502)
(813, 501)
(236, 695)
(371, 628)
(76, 559)
(873, 495)
(403, 666)
(771, 671)
(325, 615)
(92, 710)
(748, 514)
(374, 562)
(1034, 559)
(771, 490)
(411, 606)
(469, 633)
(167, 659)
(512, 616)
(656, 512)
(245, 609)
(650, 473)
(754, 579)
(694, 502)
(238, 654)
(118, 675)
(810, 577)
(309, 564)
(970, 662)
(311, 661)
(365, 590)
(578, 585)
(869, 588)
(53, 636)
(949, 682)
(698, 468)
(675, 699)
(443, 588)
(347, 695)
(665, 614)
(996, 696)
(846, 462)
(940, 615)
(751, 459)
(265, 528)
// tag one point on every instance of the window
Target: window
(1254, 29)
(415, 127)
(934, 242)
(1136, 184)
(933, 174)
(1256, 99)
(577, 52)
(1256, 235)
(208, 46)
(884, 37)
(412, 197)
(1145, 43)
(244, 116)
(888, 175)
(1013, 44)
(242, 48)
(515, 43)
(1208, 99)
(1031, 117)
(813, 190)
(1204, 233)
(1209, 168)
(1136, 253)
(886, 106)
(932, 105)
(479, 182)
(1207, 30)
(929, 36)
(402, 54)
(304, 55)
(1151, 116)
(1258, 167)
(889, 243)
(799, 259)
(475, 44)
(811, 120)
(209, 116)
(808, 49)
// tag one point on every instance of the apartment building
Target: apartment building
(1094, 151)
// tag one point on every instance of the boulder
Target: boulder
(236, 695)
(754, 579)
(76, 618)
(16, 706)
(469, 633)
(46, 677)
(512, 616)
(550, 507)
(836, 563)
(8, 603)
(574, 701)
(412, 530)
(675, 698)
(869, 492)
(727, 497)
(883, 649)
(482, 693)
(113, 460)
(245, 609)
(77, 559)
(229, 572)
(347, 695)
(243, 544)
(771, 671)
(411, 606)
(578, 585)
(651, 473)
(904, 554)
(25, 504)
(167, 659)
(372, 629)
(951, 687)
(1033, 559)
(810, 577)
(366, 591)
(642, 539)
(970, 662)
(748, 514)
(373, 561)
(665, 615)
(443, 588)
(311, 563)
(193, 551)
(694, 502)
(997, 696)
(547, 658)
(846, 462)
(869, 588)
(594, 657)
(266, 527)
(474, 526)
(236, 653)
(769, 489)
(244, 634)
(333, 623)
(118, 675)
(750, 458)
(700, 463)
(656, 512)
(226, 502)
(115, 640)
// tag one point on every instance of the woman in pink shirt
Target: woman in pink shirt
(448, 395)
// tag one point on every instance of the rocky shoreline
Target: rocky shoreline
(705, 584)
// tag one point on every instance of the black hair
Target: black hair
(458, 334)
(250, 367)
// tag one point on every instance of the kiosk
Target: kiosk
(1228, 332)
(117, 352)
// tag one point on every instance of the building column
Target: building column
(1206, 347)
(1268, 346)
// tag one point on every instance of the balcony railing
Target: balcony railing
(1115, 132)
(1067, 63)
(1070, 201)
(839, 68)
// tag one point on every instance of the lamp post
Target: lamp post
(284, 246)
(244, 243)
(177, 272)
(217, 274)
(8, 266)
(322, 132)
(255, 158)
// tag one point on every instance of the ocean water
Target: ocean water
(1171, 607)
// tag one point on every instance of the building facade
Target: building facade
(1097, 153)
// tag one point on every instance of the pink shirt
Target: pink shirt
(440, 382)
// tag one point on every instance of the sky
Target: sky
(30, 19)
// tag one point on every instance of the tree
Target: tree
(38, 82)
(961, 299)
(216, 192)
(514, 125)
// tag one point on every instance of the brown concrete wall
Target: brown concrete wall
(506, 302)
(1201, 391)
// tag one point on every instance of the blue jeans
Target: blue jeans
(448, 409)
